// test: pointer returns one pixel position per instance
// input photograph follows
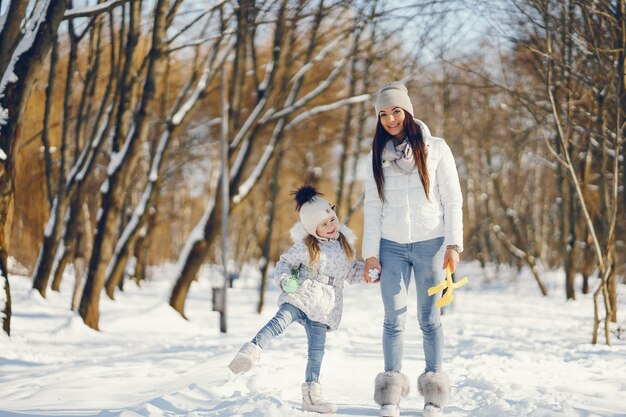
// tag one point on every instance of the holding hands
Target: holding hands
(371, 273)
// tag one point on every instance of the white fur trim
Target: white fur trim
(434, 387)
(298, 233)
(389, 387)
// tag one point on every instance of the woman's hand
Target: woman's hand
(451, 257)
(371, 263)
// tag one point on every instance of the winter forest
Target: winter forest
(149, 151)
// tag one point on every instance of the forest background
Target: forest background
(113, 116)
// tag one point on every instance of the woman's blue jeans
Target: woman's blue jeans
(398, 260)
(315, 332)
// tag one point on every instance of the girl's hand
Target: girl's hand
(290, 285)
(451, 258)
(371, 263)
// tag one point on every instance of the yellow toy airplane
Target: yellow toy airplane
(447, 297)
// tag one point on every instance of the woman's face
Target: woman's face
(392, 119)
(328, 227)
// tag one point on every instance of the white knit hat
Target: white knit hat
(393, 94)
(313, 208)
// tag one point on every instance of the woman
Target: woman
(413, 222)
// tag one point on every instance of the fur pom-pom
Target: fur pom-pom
(304, 194)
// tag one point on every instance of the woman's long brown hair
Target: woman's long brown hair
(313, 247)
(416, 141)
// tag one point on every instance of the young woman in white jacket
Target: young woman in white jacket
(412, 224)
(312, 274)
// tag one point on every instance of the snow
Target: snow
(118, 157)
(92, 10)
(509, 352)
(52, 219)
(3, 18)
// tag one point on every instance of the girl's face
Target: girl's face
(392, 120)
(328, 227)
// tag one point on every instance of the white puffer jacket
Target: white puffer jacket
(408, 216)
(319, 301)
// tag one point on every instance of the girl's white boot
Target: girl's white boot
(246, 358)
(313, 399)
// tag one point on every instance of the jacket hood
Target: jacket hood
(425, 129)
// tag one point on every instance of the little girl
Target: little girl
(311, 274)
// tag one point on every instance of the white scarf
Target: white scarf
(400, 156)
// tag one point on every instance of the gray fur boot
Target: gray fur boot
(389, 388)
(313, 399)
(435, 388)
(246, 358)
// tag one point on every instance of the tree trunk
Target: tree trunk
(192, 262)
(588, 264)
(347, 123)
(5, 313)
(267, 243)
(37, 41)
(74, 190)
(11, 32)
(140, 252)
(79, 265)
(192, 259)
(571, 253)
(113, 192)
(50, 245)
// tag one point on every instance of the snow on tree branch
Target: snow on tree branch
(327, 107)
(320, 56)
(248, 184)
(3, 19)
(93, 10)
(309, 96)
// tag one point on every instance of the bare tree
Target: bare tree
(582, 91)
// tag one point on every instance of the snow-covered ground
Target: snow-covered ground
(509, 352)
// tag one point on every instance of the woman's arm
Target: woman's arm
(452, 203)
(451, 198)
(372, 215)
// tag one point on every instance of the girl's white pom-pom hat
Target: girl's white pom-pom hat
(313, 208)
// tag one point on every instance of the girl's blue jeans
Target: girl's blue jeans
(315, 332)
(398, 260)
